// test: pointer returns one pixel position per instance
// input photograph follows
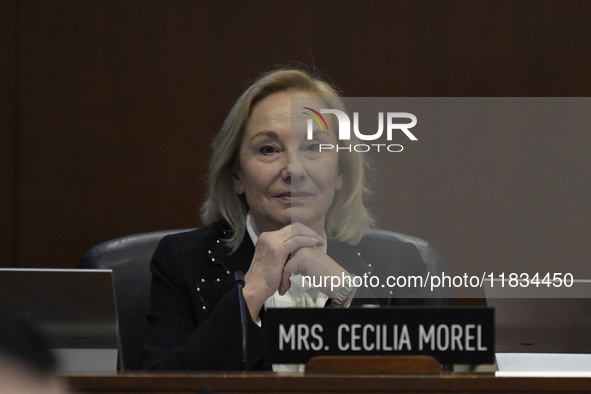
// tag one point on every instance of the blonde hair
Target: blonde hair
(346, 220)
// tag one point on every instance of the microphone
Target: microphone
(239, 278)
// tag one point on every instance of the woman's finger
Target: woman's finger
(301, 241)
(285, 278)
(298, 229)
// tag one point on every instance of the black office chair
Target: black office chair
(431, 256)
(129, 258)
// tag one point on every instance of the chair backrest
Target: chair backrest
(431, 256)
(129, 258)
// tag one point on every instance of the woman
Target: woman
(276, 205)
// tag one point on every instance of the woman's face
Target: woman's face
(285, 177)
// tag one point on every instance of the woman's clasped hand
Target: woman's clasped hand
(294, 249)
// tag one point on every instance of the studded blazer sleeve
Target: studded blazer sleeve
(195, 316)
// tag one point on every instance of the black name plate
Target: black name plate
(453, 335)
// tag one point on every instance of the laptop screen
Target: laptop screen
(73, 309)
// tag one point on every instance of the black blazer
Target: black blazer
(195, 316)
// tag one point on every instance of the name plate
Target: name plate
(453, 335)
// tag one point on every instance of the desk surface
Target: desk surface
(219, 382)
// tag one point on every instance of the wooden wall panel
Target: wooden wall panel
(119, 100)
(8, 122)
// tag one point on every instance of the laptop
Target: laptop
(539, 333)
(74, 309)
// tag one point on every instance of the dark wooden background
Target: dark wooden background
(107, 109)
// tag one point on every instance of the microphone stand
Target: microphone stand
(239, 277)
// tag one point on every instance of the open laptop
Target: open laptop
(536, 333)
(73, 308)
